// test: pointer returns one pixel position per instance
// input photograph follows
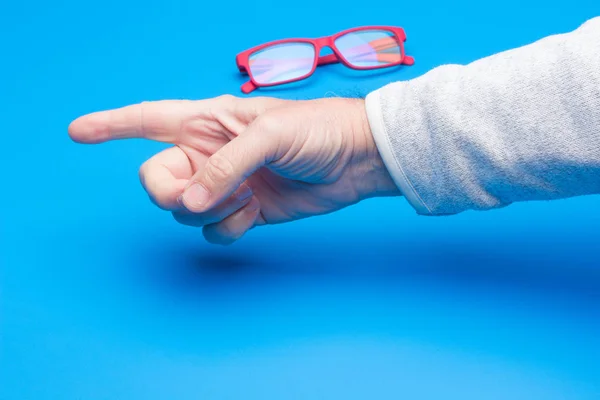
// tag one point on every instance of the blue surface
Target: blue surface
(103, 296)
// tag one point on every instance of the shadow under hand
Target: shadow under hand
(569, 281)
(469, 268)
(209, 299)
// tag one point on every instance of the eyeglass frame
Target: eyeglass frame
(243, 58)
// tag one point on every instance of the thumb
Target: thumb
(229, 167)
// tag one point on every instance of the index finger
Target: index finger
(157, 120)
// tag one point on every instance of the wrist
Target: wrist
(372, 177)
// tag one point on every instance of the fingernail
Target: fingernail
(243, 193)
(196, 195)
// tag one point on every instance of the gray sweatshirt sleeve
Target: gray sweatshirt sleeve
(519, 125)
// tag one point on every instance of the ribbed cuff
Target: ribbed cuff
(394, 167)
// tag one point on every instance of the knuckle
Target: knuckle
(224, 101)
(219, 168)
(217, 105)
(226, 97)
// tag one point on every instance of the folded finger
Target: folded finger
(241, 197)
(164, 177)
(233, 227)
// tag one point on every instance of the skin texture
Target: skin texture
(239, 163)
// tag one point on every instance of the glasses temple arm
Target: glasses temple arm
(248, 87)
(408, 60)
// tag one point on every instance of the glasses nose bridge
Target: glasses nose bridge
(325, 42)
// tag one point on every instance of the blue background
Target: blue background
(103, 296)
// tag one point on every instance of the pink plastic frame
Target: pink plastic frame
(243, 58)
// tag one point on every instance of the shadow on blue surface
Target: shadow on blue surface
(183, 268)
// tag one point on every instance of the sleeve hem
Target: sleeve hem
(382, 141)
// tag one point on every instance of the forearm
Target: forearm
(520, 125)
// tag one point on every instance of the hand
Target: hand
(238, 163)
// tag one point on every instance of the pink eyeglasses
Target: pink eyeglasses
(290, 60)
